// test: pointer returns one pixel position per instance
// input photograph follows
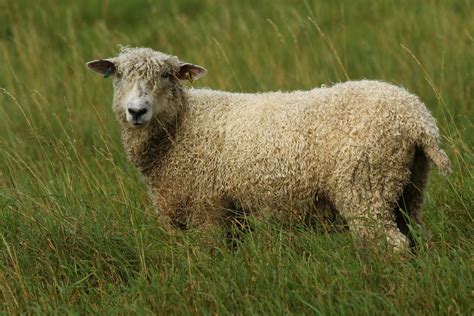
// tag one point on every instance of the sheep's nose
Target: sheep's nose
(136, 113)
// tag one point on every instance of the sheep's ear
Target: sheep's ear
(105, 67)
(190, 72)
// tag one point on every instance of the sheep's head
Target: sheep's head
(145, 83)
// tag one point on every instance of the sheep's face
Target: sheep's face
(136, 101)
(145, 82)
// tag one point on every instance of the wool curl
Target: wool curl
(144, 64)
(360, 149)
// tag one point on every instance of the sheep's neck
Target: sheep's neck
(146, 147)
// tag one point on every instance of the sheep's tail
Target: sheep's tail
(426, 136)
(436, 155)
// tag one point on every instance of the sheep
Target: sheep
(360, 149)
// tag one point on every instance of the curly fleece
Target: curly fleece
(360, 148)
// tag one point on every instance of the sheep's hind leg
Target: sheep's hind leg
(409, 203)
(371, 194)
(371, 232)
(374, 221)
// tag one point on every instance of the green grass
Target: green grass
(78, 233)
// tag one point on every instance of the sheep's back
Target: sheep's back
(275, 147)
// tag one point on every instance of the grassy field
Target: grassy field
(78, 233)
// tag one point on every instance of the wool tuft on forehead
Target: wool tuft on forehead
(145, 63)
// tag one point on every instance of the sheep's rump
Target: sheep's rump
(281, 150)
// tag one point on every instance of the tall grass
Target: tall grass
(78, 233)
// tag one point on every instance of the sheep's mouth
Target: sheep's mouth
(138, 124)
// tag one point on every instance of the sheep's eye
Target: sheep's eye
(165, 75)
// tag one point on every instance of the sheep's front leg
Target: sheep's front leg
(236, 225)
(172, 207)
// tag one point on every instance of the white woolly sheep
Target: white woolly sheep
(359, 148)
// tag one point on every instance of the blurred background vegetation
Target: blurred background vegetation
(78, 232)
